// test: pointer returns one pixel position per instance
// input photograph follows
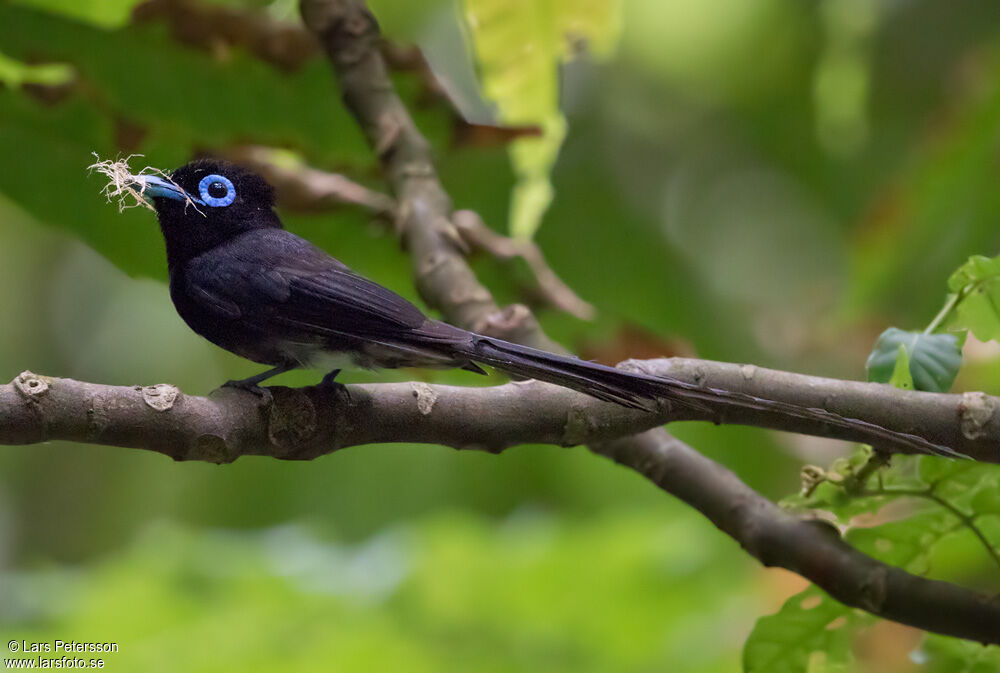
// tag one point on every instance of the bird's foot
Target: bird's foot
(330, 383)
(250, 385)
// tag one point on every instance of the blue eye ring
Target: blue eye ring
(216, 201)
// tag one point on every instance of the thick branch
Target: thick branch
(812, 549)
(349, 34)
(36, 409)
(304, 423)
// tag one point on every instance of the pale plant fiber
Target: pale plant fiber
(126, 187)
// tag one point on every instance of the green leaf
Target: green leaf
(519, 46)
(812, 632)
(934, 359)
(940, 654)
(977, 283)
(977, 269)
(901, 377)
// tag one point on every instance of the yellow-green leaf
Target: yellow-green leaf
(519, 45)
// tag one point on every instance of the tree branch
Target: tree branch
(304, 423)
(492, 418)
(553, 290)
(301, 187)
(349, 34)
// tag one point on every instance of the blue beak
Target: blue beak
(154, 186)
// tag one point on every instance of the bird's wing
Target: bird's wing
(277, 278)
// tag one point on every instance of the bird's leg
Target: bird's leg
(252, 384)
(330, 382)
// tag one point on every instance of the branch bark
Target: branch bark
(308, 422)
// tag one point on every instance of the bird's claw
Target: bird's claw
(265, 395)
(330, 383)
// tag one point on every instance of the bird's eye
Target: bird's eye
(216, 190)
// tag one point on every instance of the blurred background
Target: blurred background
(769, 181)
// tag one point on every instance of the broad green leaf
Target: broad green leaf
(811, 633)
(519, 46)
(934, 359)
(909, 542)
(50, 145)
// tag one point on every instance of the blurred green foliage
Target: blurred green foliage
(450, 593)
(753, 180)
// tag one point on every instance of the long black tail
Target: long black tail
(640, 391)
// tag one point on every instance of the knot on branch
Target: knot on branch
(578, 427)
(975, 412)
(346, 27)
(425, 396)
(291, 423)
(160, 397)
(212, 449)
(31, 386)
(635, 367)
(873, 590)
(515, 323)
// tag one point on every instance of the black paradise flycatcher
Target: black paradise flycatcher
(243, 282)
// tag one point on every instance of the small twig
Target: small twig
(301, 187)
(479, 236)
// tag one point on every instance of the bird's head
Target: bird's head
(206, 203)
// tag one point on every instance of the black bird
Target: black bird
(241, 281)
